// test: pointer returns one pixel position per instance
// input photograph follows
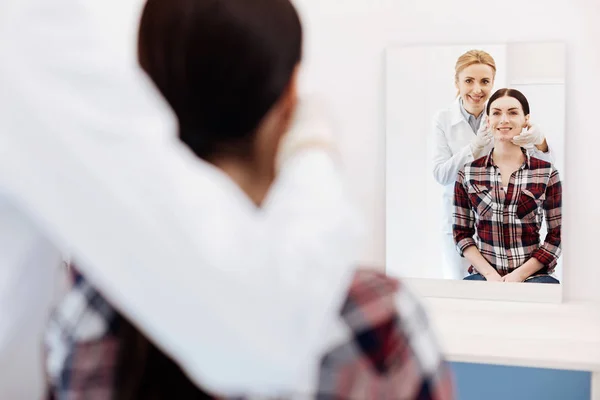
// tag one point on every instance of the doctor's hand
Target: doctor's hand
(530, 135)
(483, 138)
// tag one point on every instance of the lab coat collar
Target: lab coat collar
(457, 116)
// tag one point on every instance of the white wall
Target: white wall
(344, 58)
(536, 63)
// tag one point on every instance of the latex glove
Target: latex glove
(483, 138)
(529, 136)
(311, 127)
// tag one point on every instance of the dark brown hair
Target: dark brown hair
(145, 372)
(220, 64)
(509, 93)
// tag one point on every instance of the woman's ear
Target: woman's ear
(527, 125)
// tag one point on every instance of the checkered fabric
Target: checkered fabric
(505, 225)
(390, 352)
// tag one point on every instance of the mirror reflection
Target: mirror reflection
(475, 138)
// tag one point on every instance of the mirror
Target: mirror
(460, 178)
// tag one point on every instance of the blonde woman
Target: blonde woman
(460, 136)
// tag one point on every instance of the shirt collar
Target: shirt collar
(489, 162)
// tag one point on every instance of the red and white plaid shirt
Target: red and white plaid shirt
(505, 225)
(390, 351)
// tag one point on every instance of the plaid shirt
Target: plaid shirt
(390, 352)
(505, 226)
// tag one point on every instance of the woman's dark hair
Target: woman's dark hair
(220, 64)
(510, 93)
(143, 371)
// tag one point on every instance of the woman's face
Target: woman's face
(475, 84)
(507, 119)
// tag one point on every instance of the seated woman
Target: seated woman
(501, 199)
(229, 71)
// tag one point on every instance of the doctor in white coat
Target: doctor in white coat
(460, 135)
(90, 160)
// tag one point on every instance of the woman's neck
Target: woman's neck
(505, 151)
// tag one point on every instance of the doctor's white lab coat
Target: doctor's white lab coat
(89, 159)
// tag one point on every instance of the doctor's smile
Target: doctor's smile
(476, 98)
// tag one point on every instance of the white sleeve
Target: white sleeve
(87, 148)
(546, 156)
(445, 164)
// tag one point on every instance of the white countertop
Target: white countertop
(559, 336)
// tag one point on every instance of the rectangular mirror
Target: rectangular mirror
(474, 173)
